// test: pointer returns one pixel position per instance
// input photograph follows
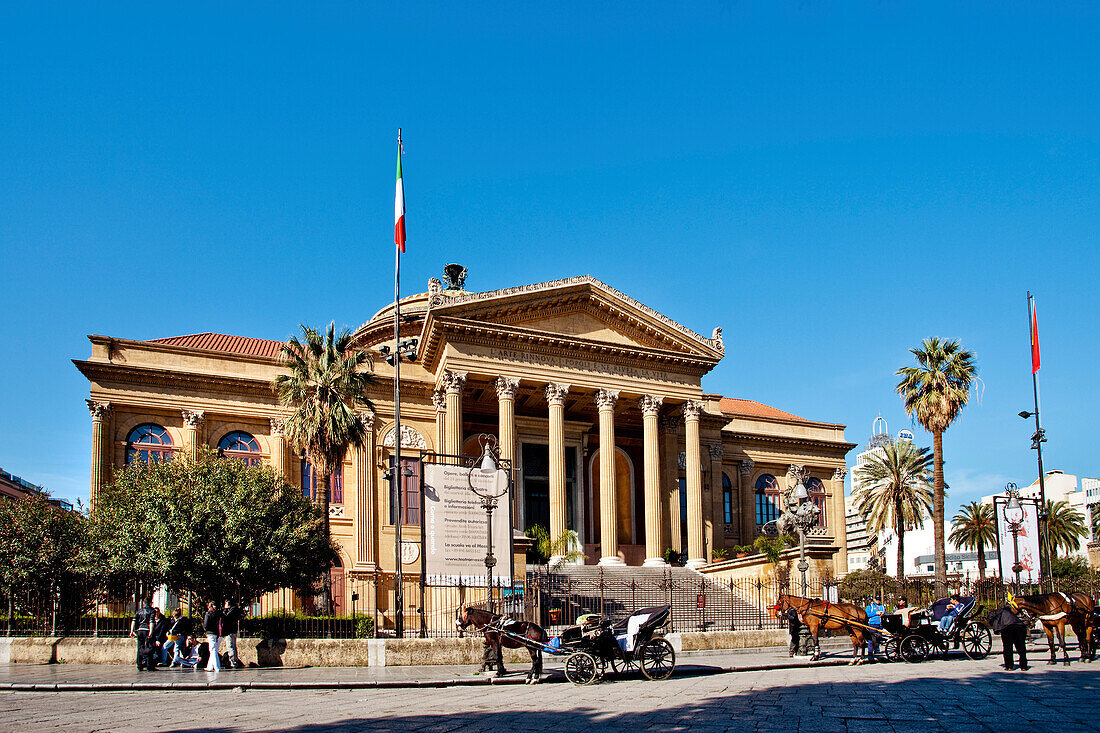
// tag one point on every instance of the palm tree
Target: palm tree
(1065, 527)
(934, 393)
(325, 385)
(1094, 511)
(974, 527)
(895, 491)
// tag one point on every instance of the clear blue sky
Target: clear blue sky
(829, 185)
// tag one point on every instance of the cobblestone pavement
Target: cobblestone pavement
(959, 696)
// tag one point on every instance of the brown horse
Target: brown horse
(495, 642)
(1054, 610)
(818, 615)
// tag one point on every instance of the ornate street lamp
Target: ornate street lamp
(490, 483)
(1014, 514)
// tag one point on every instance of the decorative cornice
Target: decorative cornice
(506, 387)
(439, 399)
(100, 411)
(410, 438)
(606, 398)
(453, 381)
(746, 466)
(278, 424)
(555, 393)
(650, 404)
(691, 410)
(758, 438)
(193, 419)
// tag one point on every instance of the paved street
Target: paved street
(957, 696)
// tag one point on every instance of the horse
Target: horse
(1054, 610)
(495, 642)
(819, 615)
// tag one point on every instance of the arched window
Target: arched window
(240, 446)
(816, 490)
(335, 483)
(727, 500)
(147, 443)
(768, 499)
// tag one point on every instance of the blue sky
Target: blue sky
(830, 183)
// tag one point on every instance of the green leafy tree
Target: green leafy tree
(973, 528)
(1065, 527)
(859, 585)
(934, 392)
(217, 527)
(39, 551)
(895, 490)
(326, 386)
(566, 546)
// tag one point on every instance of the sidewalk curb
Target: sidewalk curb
(551, 677)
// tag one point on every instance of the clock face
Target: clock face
(410, 553)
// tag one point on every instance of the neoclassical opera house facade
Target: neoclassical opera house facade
(597, 399)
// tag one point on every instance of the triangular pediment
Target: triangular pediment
(582, 308)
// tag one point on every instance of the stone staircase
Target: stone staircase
(558, 596)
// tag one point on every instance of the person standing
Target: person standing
(211, 624)
(159, 637)
(1013, 633)
(875, 611)
(140, 628)
(794, 627)
(231, 626)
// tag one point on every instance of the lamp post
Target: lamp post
(1014, 515)
(799, 495)
(489, 482)
(800, 515)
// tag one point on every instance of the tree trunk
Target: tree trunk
(899, 529)
(981, 561)
(937, 514)
(320, 486)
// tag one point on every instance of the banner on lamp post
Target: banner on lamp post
(1026, 542)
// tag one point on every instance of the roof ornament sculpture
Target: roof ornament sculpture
(454, 277)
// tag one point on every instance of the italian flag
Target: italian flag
(399, 209)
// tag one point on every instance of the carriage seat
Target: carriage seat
(638, 628)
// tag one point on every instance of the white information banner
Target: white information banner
(1027, 541)
(455, 531)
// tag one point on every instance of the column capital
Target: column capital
(193, 418)
(100, 411)
(606, 398)
(452, 382)
(555, 393)
(278, 425)
(368, 419)
(691, 410)
(506, 387)
(650, 404)
(839, 473)
(715, 451)
(746, 466)
(439, 399)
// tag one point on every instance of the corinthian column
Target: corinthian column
(717, 499)
(439, 399)
(278, 446)
(192, 431)
(651, 407)
(840, 536)
(555, 399)
(366, 499)
(101, 446)
(694, 480)
(506, 428)
(452, 386)
(609, 515)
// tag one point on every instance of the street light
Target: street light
(1014, 514)
(489, 482)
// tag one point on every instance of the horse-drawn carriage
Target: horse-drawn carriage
(923, 636)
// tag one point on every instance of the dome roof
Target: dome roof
(410, 305)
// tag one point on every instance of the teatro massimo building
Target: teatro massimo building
(597, 399)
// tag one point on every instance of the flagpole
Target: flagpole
(395, 483)
(1037, 443)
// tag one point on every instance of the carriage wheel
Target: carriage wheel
(914, 649)
(890, 650)
(657, 659)
(977, 641)
(580, 668)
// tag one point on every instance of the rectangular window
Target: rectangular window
(536, 485)
(335, 483)
(410, 494)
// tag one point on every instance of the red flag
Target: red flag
(1034, 339)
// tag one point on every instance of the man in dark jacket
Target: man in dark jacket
(1013, 633)
(158, 637)
(794, 626)
(231, 626)
(140, 628)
